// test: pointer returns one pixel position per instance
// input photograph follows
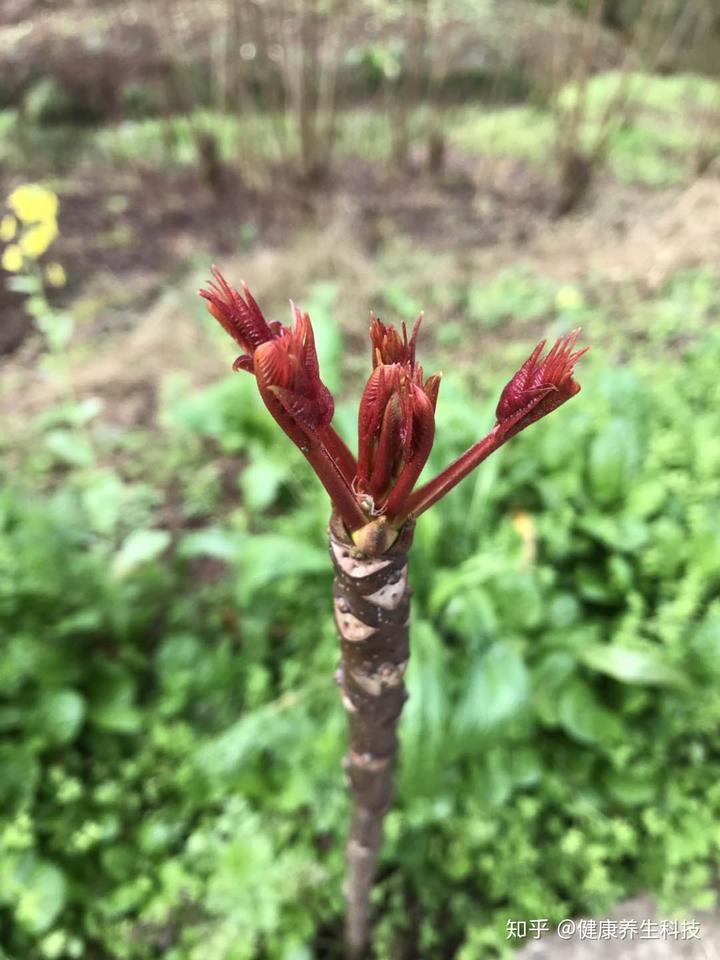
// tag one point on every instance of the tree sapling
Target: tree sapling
(374, 509)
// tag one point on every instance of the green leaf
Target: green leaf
(518, 599)
(24, 283)
(70, 448)
(212, 542)
(424, 727)
(497, 689)
(584, 718)
(114, 704)
(614, 461)
(705, 549)
(621, 533)
(270, 559)
(19, 775)
(594, 586)
(140, 547)
(472, 614)
(104, 501)
(525, 766)
(178, 653)
(504, 769)
(705, 647)
(58, 326)
(549, 678)
(646, 667)
(261, 480)
(469, 575)
(564, 610)
(646, 499)
(223, 755)
(41, 896)
(61, 713)
(630, 789)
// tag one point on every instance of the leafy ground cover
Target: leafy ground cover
(171, 722)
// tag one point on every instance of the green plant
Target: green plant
(511, 295)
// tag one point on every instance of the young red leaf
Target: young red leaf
(241, 318)
(541, 385)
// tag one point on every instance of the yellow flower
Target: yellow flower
(568, 298)
(524, 524)
(33, 203)
(56, 276)
(12, 258)
(527, 531)
(35, 241)
(8, 228)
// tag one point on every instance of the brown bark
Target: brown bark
(372, 610)
(404, 93)
(576, 173)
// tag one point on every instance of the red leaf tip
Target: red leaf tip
(396, 424)
(239, 315)
(541, 385)
(287, 368)
(388, 346)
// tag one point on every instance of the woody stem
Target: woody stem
(372, 606)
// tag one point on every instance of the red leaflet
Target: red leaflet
(396, 422)
(376, 396)
(288, 375)
(388, 346)
(288, 378)
(540, 386)
(285, 363)
(423, 434)
(241, 318)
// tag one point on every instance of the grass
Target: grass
(652, 148)
(524, 132)
(666, 94)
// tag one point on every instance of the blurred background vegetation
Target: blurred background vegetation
(169, 766)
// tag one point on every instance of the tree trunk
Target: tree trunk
(211, 167)
(436, 152)
(372, 609)
(576, 174)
